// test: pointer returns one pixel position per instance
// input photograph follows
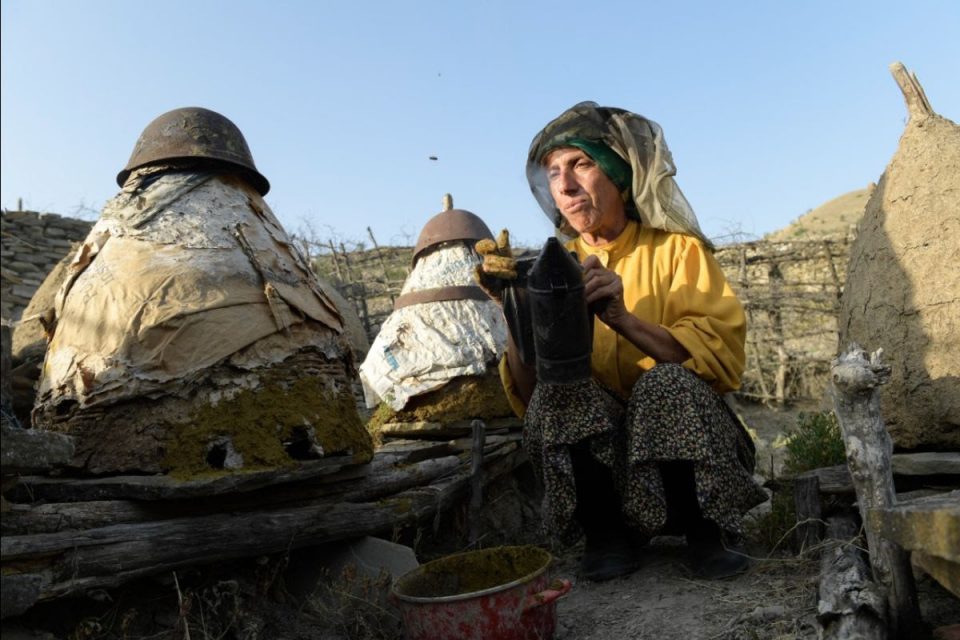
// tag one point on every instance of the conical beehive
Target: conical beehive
(902, 292)
(191, 336)
(443, 329)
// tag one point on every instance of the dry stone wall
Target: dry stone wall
(32, 244)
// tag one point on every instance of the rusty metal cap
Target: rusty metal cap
(194, 133)
(450, 225)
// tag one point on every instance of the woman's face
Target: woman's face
(586, 198)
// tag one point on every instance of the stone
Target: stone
(354, 562)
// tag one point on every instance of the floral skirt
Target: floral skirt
(672, 415)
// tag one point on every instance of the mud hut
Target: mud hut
(902, 292)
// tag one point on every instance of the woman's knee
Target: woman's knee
(672, 377)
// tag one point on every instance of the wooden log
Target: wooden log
(386, 477)
(32, 546)
(850, 605)
(806, 496)
(393, 469)
(25, 451)
(939, 466)
(455, 429)
(855, 388)
(161, 487)
(71, 562)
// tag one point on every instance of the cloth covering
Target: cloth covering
(654, 198)
(182, 270)
(423, 346)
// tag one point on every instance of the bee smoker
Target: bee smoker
(561, 325)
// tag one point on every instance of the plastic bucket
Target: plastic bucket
(502, 593)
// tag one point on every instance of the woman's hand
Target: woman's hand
(498, 265)
(603, 290)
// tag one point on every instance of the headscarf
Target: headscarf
(653, 197)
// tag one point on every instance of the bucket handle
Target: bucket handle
(554, 591)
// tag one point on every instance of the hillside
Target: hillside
(832, 219)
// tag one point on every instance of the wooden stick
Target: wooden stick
(476, 480)
(806, 495)
(913, 93)
(856, 382)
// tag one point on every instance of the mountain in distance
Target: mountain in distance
(833, 219)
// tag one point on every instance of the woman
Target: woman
(648, 446)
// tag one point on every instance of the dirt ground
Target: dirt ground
(775, 600)
(291, 597)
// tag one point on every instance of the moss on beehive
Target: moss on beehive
(463, 398)
(258, 423)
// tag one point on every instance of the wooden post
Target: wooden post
(775, 279)
(849, 603)
(855, 389)
(383, 265)
(346, 262)
(806, 496)
(913, 93)
(476, 479)
(336, 260)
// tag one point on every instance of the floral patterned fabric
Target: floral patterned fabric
(672, 415)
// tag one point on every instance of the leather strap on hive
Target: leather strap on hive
(439, 294)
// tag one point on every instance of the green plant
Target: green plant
(771, 531)
(815, 442)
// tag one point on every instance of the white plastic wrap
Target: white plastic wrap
(423, 346)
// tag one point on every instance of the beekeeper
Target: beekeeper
(648, 445)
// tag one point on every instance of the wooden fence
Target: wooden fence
(370, 278)
(790, 291)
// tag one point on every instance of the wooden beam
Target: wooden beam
(930, 528)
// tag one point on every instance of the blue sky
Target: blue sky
(770, 108)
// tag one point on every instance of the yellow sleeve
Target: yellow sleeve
(510, 389)
(703, 314)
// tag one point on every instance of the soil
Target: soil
(293, 597)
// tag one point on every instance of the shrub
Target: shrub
(815, 442)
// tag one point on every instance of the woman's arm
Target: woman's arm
(604, 290)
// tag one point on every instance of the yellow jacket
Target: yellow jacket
(669, 279)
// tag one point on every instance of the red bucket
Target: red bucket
(502, 593)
